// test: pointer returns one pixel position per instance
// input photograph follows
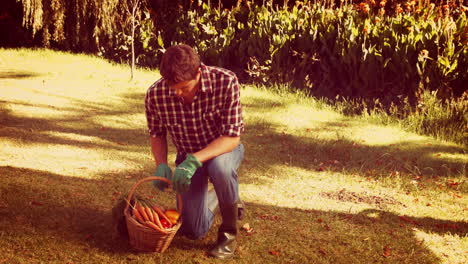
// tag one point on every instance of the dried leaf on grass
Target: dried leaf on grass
(269, 217)
(387, 251)
(36, 203)
(247, 228)
(275, 252)
(322, 251)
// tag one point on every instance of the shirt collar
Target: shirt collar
(205, 79)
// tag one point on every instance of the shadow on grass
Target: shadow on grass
(75, 211)
(18, 74)
(46, 212)
(55, 206)
(82, 118)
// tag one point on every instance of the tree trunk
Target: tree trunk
(134, 10)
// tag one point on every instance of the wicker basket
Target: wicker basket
(143, 238)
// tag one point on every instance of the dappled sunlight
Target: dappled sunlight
(298, 116)
(311, 189)
(120, 121)
(79, 138)
(66, 159)
(24, 94)
(451, 157)
(450, 248)
(44, 111)
(374, 135)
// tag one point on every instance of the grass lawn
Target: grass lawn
(319, 187)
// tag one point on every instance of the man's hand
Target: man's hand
(184, 172)
(162, 171)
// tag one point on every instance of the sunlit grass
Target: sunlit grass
(320, 187)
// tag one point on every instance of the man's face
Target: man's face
(186, 88)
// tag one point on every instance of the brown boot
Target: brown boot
(226, 243)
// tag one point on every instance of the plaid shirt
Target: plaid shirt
(215, 111)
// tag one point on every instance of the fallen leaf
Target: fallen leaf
(269, 217)
(387, 251)
(453, 183)
(320, 220)
(275, 252)
(247, 228)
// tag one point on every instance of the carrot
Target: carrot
(149, 213)
(154, 226)
(161, 213)
(157, 221)
(142, 211)
(138, 216)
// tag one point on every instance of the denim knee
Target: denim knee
(221, 168)
(222, 171)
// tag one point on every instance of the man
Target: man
(199, 106)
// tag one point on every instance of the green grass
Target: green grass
(319, 187)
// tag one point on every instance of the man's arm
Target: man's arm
(221, 145)
(159, 149)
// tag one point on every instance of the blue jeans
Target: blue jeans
(222, 171)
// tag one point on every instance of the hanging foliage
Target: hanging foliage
(81, 25)
(32, 14)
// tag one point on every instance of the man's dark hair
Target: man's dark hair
(179, 63)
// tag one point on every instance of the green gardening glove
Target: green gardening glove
(162, 171)
(184, 172)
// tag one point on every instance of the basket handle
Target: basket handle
(152, 178)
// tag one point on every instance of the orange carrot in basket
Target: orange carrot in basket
(149, 213)
(161, 213)
(157, 221)
(153, 226)
(142, 211)
(138, 216)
